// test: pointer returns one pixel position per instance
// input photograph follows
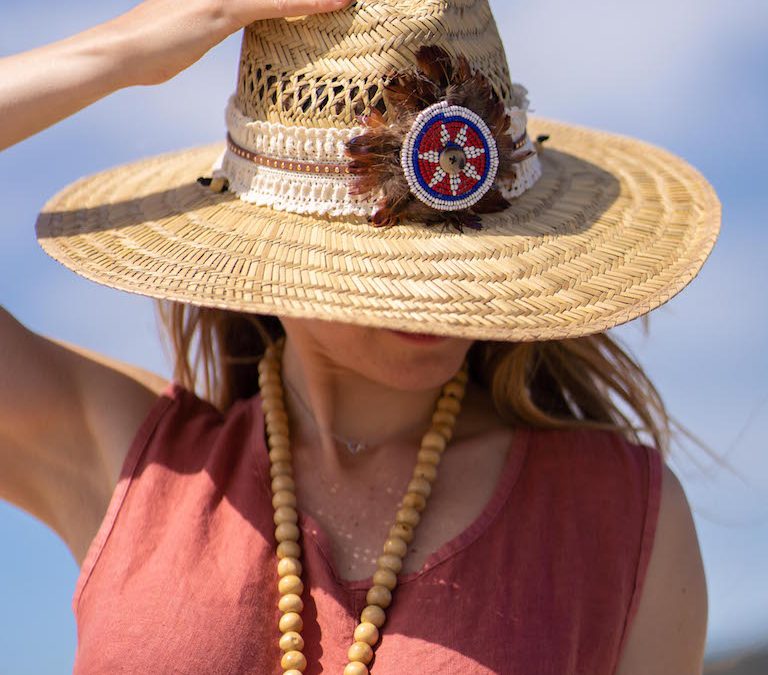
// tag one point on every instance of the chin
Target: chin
(417, 361)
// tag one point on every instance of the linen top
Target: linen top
(181, 576)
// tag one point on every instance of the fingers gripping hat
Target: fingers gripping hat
(381, 168)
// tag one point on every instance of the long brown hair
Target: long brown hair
(588, 382)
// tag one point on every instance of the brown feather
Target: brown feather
(375, 154)
(394, 202)
(374, 120)
(436, 64)
(491, 202)
(410, 92)
(508, 175)
(462, 219)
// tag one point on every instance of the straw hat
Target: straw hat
(382, 170)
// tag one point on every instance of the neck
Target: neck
(339, 403)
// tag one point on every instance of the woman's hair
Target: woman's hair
(587, 382)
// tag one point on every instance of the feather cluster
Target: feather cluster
(375, 154)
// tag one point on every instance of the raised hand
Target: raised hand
(149, 44)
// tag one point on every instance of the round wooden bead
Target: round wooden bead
(280, 469)
(265, 372)
(291, 621)
(290, 583)
(390, 562)
(271, 404)
(420, 486)
(444, 430)
(355, 668)
(283, 483)
(266, 379)
(280, 455)
(433, 441)
(428, 471)
(408, 516)
(379, 595)
(278, 441)
(288, 549)
(461, 376)
(280, 427)
(454, 388)
(273, 416)
(444, 417)
(290, 603)
(292, 671)
(449, 404)
(367, 632)
(291, 641)
(373, 614)
(403, 531)
(288, 566)
(287, 532)
(415, 501)
(395, 546)
(267, 364)
(360, 651)
(385, 577)
(271, 389)
(284, 498)
(285, 514)
(425, 456)
(293, 660)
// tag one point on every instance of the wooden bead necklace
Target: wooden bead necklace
(389, 564)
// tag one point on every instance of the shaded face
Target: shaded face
(398, 360)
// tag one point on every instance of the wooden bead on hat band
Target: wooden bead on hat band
(287, 533)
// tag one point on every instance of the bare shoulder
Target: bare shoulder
(107, 382)
(67, 419)
(668, 633)
(116, 398)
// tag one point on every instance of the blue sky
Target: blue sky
(688, 75)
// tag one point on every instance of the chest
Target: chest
(352, 520)
(187, 578)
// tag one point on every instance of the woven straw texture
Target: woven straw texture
(613, 228)
(325, 70)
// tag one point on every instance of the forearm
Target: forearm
(45, 85)
(147, 45)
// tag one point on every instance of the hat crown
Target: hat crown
(327, 69)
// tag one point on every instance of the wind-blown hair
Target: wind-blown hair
(587, 382)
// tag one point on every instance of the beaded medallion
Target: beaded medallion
(449, 157)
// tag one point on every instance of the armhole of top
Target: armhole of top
(140, 441)
(654, 461)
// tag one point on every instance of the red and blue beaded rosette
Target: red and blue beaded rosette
(443, 150)
(449, 157)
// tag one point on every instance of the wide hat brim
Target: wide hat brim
(613, 228)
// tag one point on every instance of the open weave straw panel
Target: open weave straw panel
(325, 70)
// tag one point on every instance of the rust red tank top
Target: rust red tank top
(181, 576)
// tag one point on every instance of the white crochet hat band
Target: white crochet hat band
(305, 170)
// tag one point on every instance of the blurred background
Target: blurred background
(688, 75)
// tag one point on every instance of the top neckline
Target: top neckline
(311, 529)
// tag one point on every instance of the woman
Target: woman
(562, 550)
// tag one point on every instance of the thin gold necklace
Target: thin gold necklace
(287, 533)
(353, 447)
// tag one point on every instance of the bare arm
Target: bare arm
(67, 416)
(669, 631)
(149, 44)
